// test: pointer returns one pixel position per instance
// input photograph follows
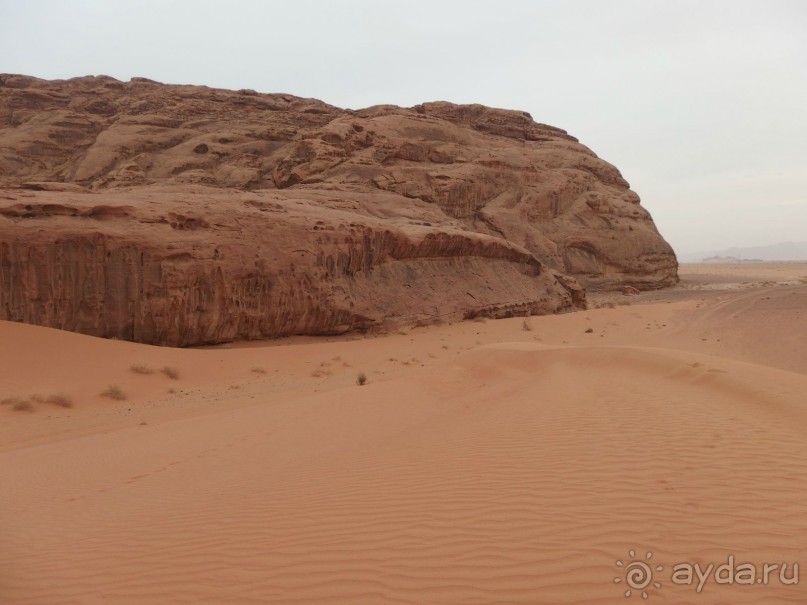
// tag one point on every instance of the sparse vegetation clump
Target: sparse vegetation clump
(17, 404)
(21, 405)
(525, 325)
(27, 405)
(361, 379)
(140, 368)
(259, 370)
(61, 400)
(113, 391)
(171, 372)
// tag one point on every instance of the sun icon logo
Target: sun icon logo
(638, 574)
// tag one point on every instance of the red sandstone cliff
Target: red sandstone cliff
(185, 215)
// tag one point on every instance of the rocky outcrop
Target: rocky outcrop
(187, 266)
(186, 215)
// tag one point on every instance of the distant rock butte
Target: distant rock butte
(185, 215)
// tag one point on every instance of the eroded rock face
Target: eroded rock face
(194, 265)
(186, 215)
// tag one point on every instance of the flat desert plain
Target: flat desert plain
(582, 458)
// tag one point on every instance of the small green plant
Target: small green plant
(140, 368)
(61, 400)
(113, 391)
(171, 372)
(361, 379)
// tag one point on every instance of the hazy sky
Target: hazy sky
(701, 104)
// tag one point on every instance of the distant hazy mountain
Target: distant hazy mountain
(781, 251)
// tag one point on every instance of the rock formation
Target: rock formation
(185, 215)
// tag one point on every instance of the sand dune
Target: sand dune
(481, 463)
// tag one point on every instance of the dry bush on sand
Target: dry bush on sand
(22, 406)
(18, 404)
(172, 373)
(61, 400)
(113, 391)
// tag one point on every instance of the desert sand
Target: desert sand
(494, 461)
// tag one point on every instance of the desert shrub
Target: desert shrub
(113, 391)
(361, 379)
(22, 405)
(172, 373)
(525, 325)
(259, 370)
(140, 368)
(61, 400)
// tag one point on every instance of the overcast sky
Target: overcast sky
(702, 104)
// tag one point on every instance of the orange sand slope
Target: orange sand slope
(485, 462)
